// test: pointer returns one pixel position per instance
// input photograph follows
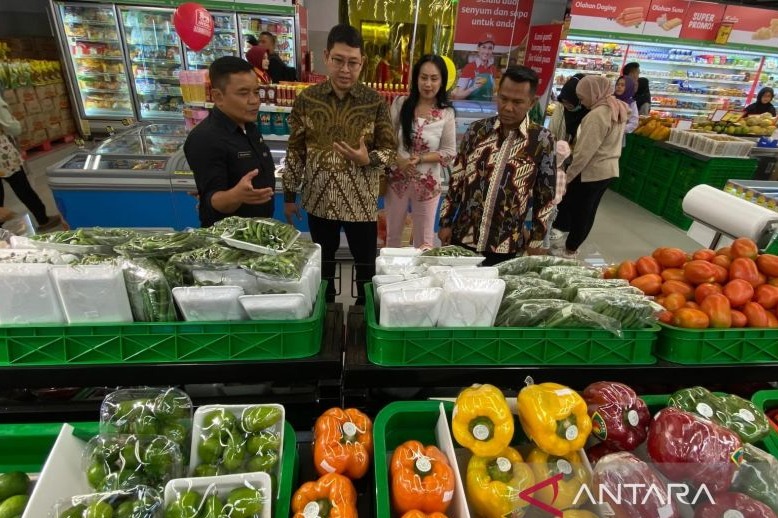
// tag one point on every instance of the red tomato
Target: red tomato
(739, 319)
(647, 265)
(744, 247)
(719, 312)
(660, 299)
(699, 272)
(768, 264)
(722, 274)
(738, 292)
(610, 272)
(650, 284)
(773, 281)
(756, 314)
(627, 271)
(690, 318)
(767, 296)
(704, 290)
(723, 261)
(669, 257)
(674, 301)
(692, 304)
(725, 251)
(772, 320)
(743, 268)
(678, 287)
(666, 317)
(704, 254)
(673, 274)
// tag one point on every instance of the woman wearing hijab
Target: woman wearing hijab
(595, 160)
(259, 59)
(625, 92)
(643, 97)
(569, 113)
(763, 104)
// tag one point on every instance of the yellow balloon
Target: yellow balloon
(451, 69)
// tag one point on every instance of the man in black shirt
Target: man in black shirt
(232, 165)
(277, 68)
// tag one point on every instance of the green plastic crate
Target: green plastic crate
(767, 400)
(25, 447)
(664, 165)
(641, 154)
(165, 342)
(396, 423)
(653, 196)
(437, 346)
(714, 171)
(631, 186)
(673, 211)
(717, 346)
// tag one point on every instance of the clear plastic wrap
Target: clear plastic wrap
(580, 316)
(440, 276)
(232, 277)
(307, 285)
(632, 312)
(161, 245)
(385, 280)
(286, 306)
(215, 257)
(493, 482)
(148, 290)
(616, 471)
(527, 313)
(69, 241)
(533, 263)
(237, 439)
(470, 302)
(557, 274)
(420, 283)
(30, 256)
(92, 293)
(28, 295)
(138, 502)
(148, 411)
(421, 478)
(532, 291)
(286, 265)
(403, 265)
(449, 251)
(570, 286)
(528, 279)
(93, 259)
(733, 505)
(111, 236)
(121, 461)
(758, 476)
(264, 235)
(210, 303)
(247, 496)
(215, 231)
(411, 308)
(407, 251)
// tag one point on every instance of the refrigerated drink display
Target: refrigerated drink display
(224, 43)
(151, 140)
(280, 26)
(98, 63)
(155, 57)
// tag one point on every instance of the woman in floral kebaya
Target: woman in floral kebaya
(426, 135)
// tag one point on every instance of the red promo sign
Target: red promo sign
(752, 26)
(618, 16)
(494, 20)
(302, 19)
(702, 21)
(541, 54)
(667, 10)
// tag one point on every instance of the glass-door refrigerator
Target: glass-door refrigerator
(154, 54)
(282, 27)
(91, 45)
(224, 43)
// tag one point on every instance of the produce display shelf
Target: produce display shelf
(25, 447)
(717, 346)
(673, 211)
(503, 345)
(165, 342)
(691, 64)
(768, 400)
(653, 195)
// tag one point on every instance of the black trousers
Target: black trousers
(23, 190)
(578, 209)
(362, 239)
(491, 257)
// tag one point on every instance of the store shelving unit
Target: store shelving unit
(224, 43)
(281, 26)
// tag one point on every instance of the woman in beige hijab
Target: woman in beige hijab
(595, 161)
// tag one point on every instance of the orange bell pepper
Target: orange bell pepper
(422, 479)
(420, 514)
(343, 442)
(332, 496)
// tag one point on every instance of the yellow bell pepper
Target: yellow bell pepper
(545, 466)
(482, 421)
(554, 417)
(494, 483)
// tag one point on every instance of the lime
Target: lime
(14, 483)
(210, 449)
(257, 418)
(132, 509)
(99, 510)
(129, 457)
(264, 462)
(245, 501)
(234, 452)
(206, 470)
(144, 425)
(219, 419)
(175, 432)
(258, 444)
(77, 511)
(96, 473)
(212, 508)
(171, 405)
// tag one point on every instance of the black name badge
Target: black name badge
(245, 154)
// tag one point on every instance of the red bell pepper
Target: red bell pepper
(686, 448)
(733, 504)
(620, 418)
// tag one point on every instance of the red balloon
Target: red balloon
(194, 24)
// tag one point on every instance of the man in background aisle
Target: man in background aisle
(341, 140)
(504, 164)
(277, 68)
(632, 70)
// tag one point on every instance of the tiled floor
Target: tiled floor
(622, 229)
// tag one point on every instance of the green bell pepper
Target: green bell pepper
(758, 476)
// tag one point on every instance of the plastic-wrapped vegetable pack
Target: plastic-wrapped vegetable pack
(470, 302)
(70, 241)
(92, 293)
(30, 256)
(246, 496)
(527, 312)
(578, 315)
(533, 263)
(286, 265)
(632, 312)
(557, 274)
(262, 235)
(138, 502)
(411, 308)
(111, 236)
(570, 286)
(413, 284)
(151, 298)
(160, 245)
(28, 295)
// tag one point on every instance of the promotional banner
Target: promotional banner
(619, 16)
(702, 21)
(541, 55)
(751, 26)
(665, 18)
(302, 18)
(477, 19)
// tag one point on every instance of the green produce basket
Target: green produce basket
(396, 423)
(631, 185)
(717, 346)
(165, 342)
(664, 165)
(713, 171)
(438, 346)
(767, 400)
(25, 447)
(653, 196)
(641, 154)
(673, 211)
